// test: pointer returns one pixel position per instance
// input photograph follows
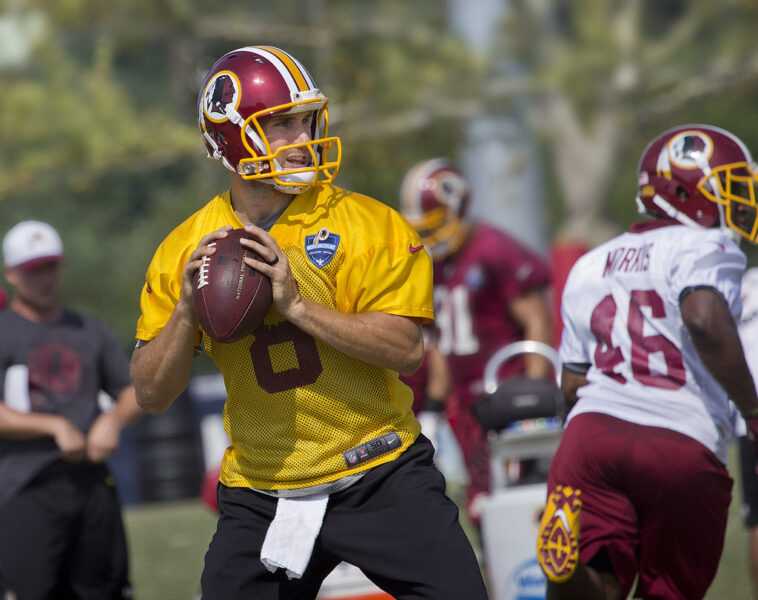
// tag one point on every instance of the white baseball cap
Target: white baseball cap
(30, 244)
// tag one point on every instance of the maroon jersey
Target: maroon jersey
(417, 383)
(471, 292)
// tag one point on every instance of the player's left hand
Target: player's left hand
(285, 291)
(103, 437)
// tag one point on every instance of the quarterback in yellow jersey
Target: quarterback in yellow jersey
(326, 461)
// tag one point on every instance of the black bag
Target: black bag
(518, 399)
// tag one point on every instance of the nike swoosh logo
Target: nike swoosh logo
(414, 249)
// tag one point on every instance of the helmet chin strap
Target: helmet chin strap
(306, 177)
(674, 213)
(685, 220)
(287, 189)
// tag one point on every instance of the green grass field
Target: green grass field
(168, 542)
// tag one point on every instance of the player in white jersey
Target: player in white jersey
(748, 328)
(638, 487)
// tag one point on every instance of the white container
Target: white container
(510, 520)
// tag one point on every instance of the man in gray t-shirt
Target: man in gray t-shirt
(56, 490)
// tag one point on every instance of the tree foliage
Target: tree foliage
(603, 78)
(98, 116)
(98, 119)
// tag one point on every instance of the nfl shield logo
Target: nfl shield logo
(320, 248)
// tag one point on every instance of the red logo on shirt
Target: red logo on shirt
(414, 249)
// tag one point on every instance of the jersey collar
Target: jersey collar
(642, 226)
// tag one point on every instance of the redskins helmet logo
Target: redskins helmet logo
(686, 150)
(222, 91)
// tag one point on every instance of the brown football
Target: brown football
(231, 298)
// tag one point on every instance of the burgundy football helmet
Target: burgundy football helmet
(701, 176)
(434, 198)
(254, 82)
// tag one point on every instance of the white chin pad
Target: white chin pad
(303, 177)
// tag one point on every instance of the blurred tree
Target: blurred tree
(98, 105)
(98, 118)
(602, 78)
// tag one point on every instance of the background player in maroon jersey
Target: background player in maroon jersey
(488, 292)
(431, 383)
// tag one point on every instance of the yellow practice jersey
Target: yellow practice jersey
(294, 404)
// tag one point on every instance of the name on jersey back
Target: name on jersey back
(628, 260)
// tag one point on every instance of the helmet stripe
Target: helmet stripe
(295, 69)
(308, 79)
(288, 78)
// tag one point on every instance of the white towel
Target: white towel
(16, 394)
(292, 534)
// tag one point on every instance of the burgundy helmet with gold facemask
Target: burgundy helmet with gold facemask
(435, 198)
(248, 84)
(701, 176)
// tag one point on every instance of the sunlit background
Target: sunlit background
(546, 104)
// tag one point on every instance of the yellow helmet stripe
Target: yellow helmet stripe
(292, 66)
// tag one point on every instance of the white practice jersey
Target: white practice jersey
(748, 328)
(621, 316)
(748, 325)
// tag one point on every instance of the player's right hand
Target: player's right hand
(71, 442)
(193, 264)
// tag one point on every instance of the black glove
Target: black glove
(437, 406)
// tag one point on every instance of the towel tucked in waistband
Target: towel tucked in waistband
(292, 534)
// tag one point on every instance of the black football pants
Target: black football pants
(61, 537)
(395, 524)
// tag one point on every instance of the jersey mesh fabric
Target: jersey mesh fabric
(295, 404)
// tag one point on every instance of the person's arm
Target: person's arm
(571, 381)
(439, 379)
(380, 339)
(16, 425)
(161, 368)
(384, 340)
(103, 436)
(714, 334)
(531, 312)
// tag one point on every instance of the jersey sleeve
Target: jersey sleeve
(573, 347)
(521, 270)
(114, 362)
(161, 291)
(393, 277)
(716, 262)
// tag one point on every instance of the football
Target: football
(231, 298)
